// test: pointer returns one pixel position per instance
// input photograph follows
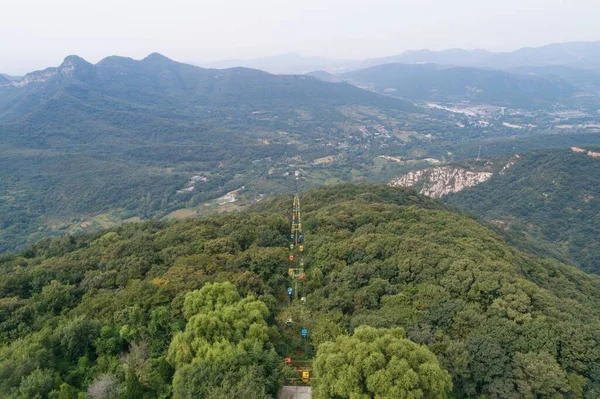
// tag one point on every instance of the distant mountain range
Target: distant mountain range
(433, 82)
(158, 81)
(290, 63)
(585, 55)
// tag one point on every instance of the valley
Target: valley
(98, 139)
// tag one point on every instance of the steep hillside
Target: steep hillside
(551, 195)
(117, 311)
(436, 83)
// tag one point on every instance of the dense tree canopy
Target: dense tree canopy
(150, 309)
(549, 196)
(378, 363)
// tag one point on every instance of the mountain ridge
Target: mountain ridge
(434, 82)
(582, 54)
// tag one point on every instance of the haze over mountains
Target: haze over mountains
(565, 73)
(585, 55)
(291, 63)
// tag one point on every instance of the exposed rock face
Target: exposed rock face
(590, 153)
(510, 163)
(439, 181)
(66, 69)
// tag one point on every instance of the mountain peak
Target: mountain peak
(74, 61)
(157, 58)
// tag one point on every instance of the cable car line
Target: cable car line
(297, 275)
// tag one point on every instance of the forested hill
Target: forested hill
(550, 195)
(391, 272)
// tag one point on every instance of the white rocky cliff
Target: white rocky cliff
(439, 181)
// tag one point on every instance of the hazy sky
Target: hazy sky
(38, 33)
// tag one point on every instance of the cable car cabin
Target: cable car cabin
(302, 262)
(303, 276)
(301, 237)
(291, 236)
(291, 258)
(292, 247)
(306, 376)
(300, 248)
(288, 360)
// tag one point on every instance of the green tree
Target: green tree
(379, 363)
(225, 339)
(37, 385)
(538, 375)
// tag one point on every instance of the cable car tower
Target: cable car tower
(296, 269)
